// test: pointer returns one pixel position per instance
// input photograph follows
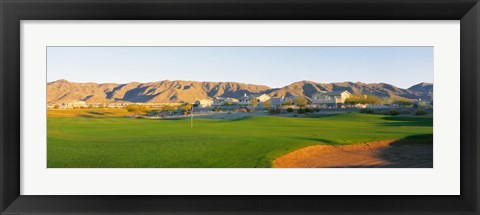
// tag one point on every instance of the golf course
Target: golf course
(109, 139)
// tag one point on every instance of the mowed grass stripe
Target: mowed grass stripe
(119, 142)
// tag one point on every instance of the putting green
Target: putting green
(109, 141)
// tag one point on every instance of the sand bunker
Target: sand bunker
(388, 153)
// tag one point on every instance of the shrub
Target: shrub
(393, 112)
(186, 108)
(169, 108)
(289, 110)
(402, 102)
(153, 112)
(420, 112)
(301, 110)
(367, 110)
(137, 109)
(275, 111)
(307, 110)
(404, 111)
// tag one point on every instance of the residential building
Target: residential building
(221, 101)
(277, 101)
(204, 103)
(281, 101)
(246, 100)
(330, 99)
(74, 104)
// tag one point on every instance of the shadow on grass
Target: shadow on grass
(314, 139)
(407, 121)
(171, 119)
(86, 116)
(239, 119)
(325, 115)
(98, 113)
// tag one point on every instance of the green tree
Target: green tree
(253, 104)
(287, 102)
(371, 99)
(362, 99)
(402, 102)
(267, 104)
(301, 101)
(350, 102)
(186, 108)
(169, 108)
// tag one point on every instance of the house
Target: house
(277, 101)
(204, 103)
(74, 104)
(221, 101)
(230, 101)
(246, 100)
(282, 101)
(218, 101)
(330, 99)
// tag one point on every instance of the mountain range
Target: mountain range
(63, 91)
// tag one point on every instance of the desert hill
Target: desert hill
(423, 91)
(63, 91)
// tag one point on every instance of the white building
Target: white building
(204, 103)
(246, 100)
(277, 101)
(220, 101)
(330, 99)
(74, 104)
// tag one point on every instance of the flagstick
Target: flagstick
(191, 118)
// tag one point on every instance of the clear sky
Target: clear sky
(271, 66)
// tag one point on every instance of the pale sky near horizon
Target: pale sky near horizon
(271, 66)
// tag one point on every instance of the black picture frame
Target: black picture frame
(13, 11)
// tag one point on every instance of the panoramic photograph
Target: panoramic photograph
(239, 107)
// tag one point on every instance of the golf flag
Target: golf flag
(191, 118)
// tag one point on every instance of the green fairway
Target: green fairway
(119, 142)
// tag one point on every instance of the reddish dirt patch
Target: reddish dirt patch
(388, 153)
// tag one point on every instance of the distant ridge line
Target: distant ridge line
(166, 91)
